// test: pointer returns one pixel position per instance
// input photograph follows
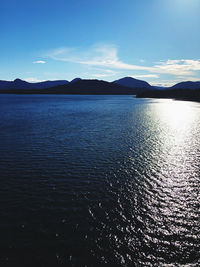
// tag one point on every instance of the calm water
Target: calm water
(99, 181)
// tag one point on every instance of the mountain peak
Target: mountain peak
(187, 85)
(75, 80)
(132, 82)
(18, 80)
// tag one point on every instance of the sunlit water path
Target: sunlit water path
(99, 180)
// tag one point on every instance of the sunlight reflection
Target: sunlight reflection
(177, 119)
(176, 152)
(177, 114)
(177, 123)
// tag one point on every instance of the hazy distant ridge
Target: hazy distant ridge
(20, 84)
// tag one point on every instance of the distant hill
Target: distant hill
(133, 83)
(75, 80)
(187, 85)
(81, 87)
(20, 84)
(126, 86)
(179, 94)
(96, 87)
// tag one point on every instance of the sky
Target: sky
(153, 40)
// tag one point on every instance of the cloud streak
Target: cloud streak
(146, 76)
(106, 56)
(39, 62)
(181, 67)
(98, 55)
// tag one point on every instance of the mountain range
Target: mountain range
(126, 85)
(189, 91)
(20, 84)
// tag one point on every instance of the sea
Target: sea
(99, 181)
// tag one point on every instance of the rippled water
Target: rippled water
(99, 181)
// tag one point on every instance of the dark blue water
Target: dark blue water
(99, 181)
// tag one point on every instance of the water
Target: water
(99, 181)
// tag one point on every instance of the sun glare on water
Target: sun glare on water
(177, 114)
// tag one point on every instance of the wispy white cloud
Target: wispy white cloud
(111, 72)
(106, 56)
(32, 80)
(99, 75)
(39, 62)
(146, 76)
(183, 67)
(192, 78)
(98, 55)
(102, 73)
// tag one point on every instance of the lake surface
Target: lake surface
(99, 181)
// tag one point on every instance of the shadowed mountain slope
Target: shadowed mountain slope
(187, 85)
(133, 83)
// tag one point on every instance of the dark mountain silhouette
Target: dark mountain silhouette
(20, 84)
(181, 94)
(88, 87)
(183, 91)
(80, 86)
(48, 84)
(187, 85)
(133, 83)
(75, 80)
(160, 87)
(84, 87)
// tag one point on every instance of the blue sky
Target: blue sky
(153, 40)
